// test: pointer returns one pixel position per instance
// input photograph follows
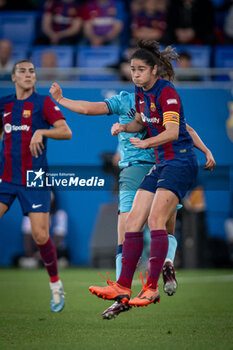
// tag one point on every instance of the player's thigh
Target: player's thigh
(122, 218)
(7, 196)
(163, 206)
(3, 209)
(140, 211)
(39, 227)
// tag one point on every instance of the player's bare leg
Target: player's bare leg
(3, 209)
(120, 290)
(164, 204)
(40, 233)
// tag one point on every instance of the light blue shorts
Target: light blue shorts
(130, 179)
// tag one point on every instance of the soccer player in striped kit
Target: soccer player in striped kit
(26, 118)
(160, 110)
(135, 163)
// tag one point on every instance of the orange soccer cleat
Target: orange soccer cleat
(146, 296)
(113, 291)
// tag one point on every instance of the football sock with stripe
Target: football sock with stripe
(158, 252)
(49, 257)
(132, 250)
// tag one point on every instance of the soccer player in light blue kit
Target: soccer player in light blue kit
(135, 163)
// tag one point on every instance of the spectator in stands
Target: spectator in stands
(190, 22)
(6, 64)
(150, 22)
(103, 21)
(61, 23)
(49, 62)
(185, 63)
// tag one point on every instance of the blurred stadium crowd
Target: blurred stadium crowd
(98, 34)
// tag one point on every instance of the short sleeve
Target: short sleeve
(113, 104)
(170, 104)
(117, 104)
(51, 112)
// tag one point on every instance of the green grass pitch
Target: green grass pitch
(199, 316)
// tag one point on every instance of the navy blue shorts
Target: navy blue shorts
(179, 179)
(31, 201)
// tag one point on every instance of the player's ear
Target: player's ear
(13, 78)
(154, 70)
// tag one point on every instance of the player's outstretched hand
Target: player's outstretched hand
(36, 145)
(138, 143)
(210, 162)
(56, 92)
(117, 128)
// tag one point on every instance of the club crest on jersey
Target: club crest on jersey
(27, 113)
(152, 107)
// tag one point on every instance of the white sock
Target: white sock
(57, 284)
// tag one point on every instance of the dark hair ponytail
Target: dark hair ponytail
(149, 53)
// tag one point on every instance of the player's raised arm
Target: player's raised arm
(199, 144)
(81, 107)
(135, 126)
(60, 131)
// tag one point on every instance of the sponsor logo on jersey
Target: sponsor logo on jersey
(152, 107)
(149, 120)
(56, 108)
(27, 113)
(172, 101)
(8, 128)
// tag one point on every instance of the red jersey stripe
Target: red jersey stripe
(7, 172)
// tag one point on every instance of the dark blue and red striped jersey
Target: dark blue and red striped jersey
(19, 120)
(158, 106)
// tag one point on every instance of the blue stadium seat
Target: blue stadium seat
(19, 53)
(64, 55)
(223, 57)
(19, 27)
(201, 55)
(98, 57)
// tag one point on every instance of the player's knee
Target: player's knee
(40, 235)
(155, 222)
(133, 223)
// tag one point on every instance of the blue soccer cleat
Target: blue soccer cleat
(57, 297)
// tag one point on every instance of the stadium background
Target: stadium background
(206, 106)
(206, 110)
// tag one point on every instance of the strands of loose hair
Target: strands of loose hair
(148, 51)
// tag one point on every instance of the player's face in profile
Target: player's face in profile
(25, 76)
(142, 74)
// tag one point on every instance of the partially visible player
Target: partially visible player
(26, 118)
(160, 110)
(135, 164)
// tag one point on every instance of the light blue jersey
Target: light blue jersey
(124, 105)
